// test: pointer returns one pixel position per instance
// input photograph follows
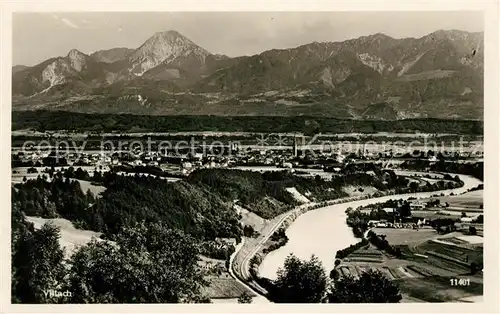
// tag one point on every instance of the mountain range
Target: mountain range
(439, 75)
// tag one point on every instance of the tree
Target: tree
(474, 268)
(18, 229)
(90, 196)
(148, 264)
(404, 210)
(472, 230)
(245, 297)
(38, 260)
(334, 274)
(300, 281)
(371, 287)
(52, 171)
(414, 186)
(248, 231)
(464, 214)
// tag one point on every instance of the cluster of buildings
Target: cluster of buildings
(189, 158)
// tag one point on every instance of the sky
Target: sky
(40, 36)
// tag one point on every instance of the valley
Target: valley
(248, 157)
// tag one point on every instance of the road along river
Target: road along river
(323, 231)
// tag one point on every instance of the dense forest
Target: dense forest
(201, 205)
(265, 193)
(475, 169)
(127, 200)
(61, 120)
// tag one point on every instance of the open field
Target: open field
(71, 238)
(87, 186)
(470, 200)
(427, 281)
(438, 288)
(465, 239)
(224, 287)
(407, 236)
(248, 218)
(429, 262)
(297, 196)
(460, 252)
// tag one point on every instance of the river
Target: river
(323, 231)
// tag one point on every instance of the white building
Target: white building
(388, 210)
(417, 206)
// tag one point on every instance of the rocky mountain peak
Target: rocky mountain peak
(77, 59)
(163, 47)
(73, 53)
(169, 33)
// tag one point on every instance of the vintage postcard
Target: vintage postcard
(250, 153)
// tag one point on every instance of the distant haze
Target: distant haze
(39, 36)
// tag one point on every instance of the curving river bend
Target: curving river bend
(323, 231)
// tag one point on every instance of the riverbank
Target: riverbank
(309, 234)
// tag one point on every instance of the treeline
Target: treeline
(79, 173)
(60, 197)
(97, 176)
(382, 244)
(444, 225)
(472, 169)
(351, 248)
(43, 120)
(418, 154)
(280, 239)
(358, 221)
(156, 171)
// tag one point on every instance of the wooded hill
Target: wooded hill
(60, 120)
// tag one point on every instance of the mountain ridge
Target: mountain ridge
(437, 75)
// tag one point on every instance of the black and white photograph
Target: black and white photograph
(248, 157)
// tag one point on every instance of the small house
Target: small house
(417, 206)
